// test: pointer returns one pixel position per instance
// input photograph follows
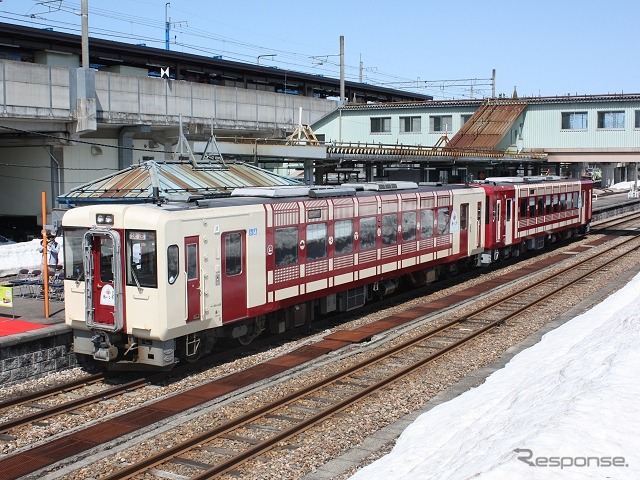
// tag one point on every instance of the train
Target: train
(149, 285)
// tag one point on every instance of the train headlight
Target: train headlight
(104, 219)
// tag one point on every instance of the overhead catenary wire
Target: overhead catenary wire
(289, 59)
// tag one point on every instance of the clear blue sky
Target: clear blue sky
(541, 47)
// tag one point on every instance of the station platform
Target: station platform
(26, 320)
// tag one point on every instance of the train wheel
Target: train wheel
(254, 331)
(246, 339)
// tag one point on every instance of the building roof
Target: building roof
(488, 125)
(178, 180)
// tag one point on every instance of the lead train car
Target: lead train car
(147, 285)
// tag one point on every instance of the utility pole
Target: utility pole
(342, 91)
(360, 68)
(167, 25)
(493, 83)
(84, 12)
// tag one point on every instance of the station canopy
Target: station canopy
(175, 180)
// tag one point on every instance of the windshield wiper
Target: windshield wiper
(135, 278)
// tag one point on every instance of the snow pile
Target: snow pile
(23, 255)
(564, 408)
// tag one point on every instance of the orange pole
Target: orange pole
(45, 255)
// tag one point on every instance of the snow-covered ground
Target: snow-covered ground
(567, 407)
(23, 255)
(623, 186)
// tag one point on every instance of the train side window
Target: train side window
(540, 205)
(563, 202)
(286, 246)
(367, 233)
(443, 221)
(523, 208)
(343, 237)
(316, 241)
(408, 226)
(555, 203)
(173, 263)
(569, 200)
(233, 254)
(532, 207)
(426, 224)
(547, 202)
(508, 209)
(390, 229)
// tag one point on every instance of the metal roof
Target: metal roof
(173, 179)
(488, 125)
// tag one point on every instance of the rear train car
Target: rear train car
(529, 213)
(148, 285)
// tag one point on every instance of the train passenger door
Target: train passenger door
(508, 221)
(464, 228)
(479, 225)
(102, 272)
(498, 220)
(192, 263)
(234, 276)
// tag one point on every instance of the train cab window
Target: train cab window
(367, 233)
(343, 233)
(508, 209)
(141, 259)
(173, 263)
(547, 204)
(233, 254)
(390, 229)
(316, 241)
(426, 224)
(443, 221)
(72, 244)
(286, 246)
(408, 226)
(532, 207)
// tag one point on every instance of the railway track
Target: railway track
(226, 447)
(468, 320)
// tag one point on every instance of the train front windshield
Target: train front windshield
(141, 259)
(73, 269)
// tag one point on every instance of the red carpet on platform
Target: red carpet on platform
(9, 326)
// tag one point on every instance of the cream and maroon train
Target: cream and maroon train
(149, 284)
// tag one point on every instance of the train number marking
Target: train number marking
(253, 232)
